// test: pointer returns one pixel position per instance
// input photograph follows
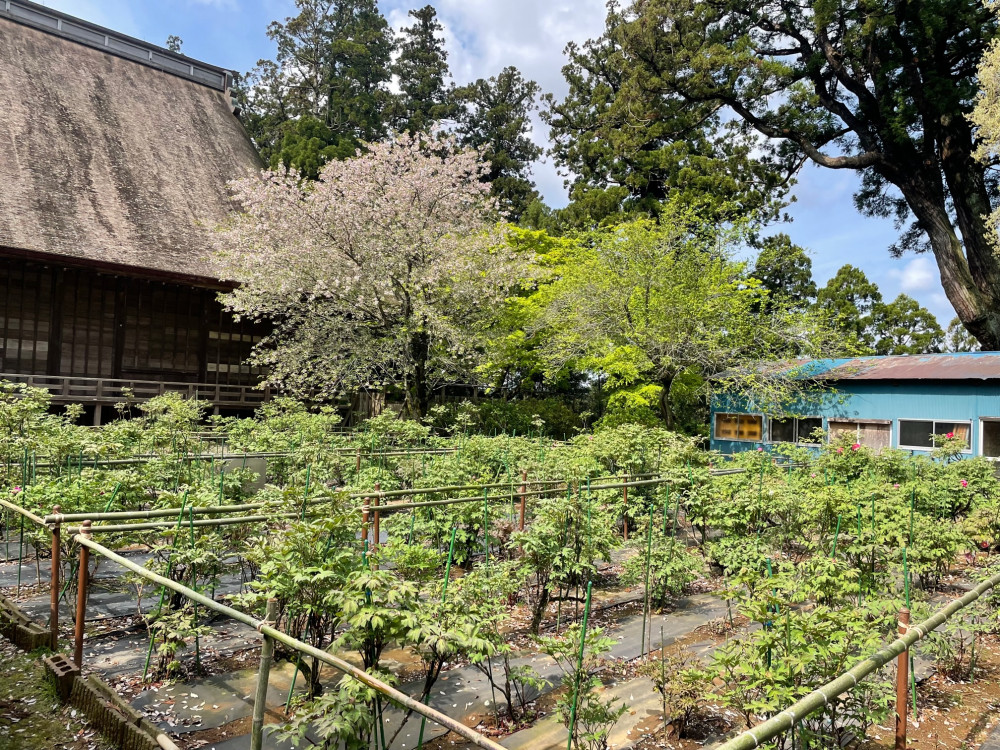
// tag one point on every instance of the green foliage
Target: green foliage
(422, 70)
(594, 715)
(836, 85)
(670, 569)
(795, 652)
(493, 115)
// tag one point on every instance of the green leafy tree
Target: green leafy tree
(644, 302)
(904, 327)
(325, 94)
(627, 149)
(785, 271)
(878, 87)
(493, 115)
(422, 70)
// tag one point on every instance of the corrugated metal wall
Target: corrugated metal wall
(958, 401)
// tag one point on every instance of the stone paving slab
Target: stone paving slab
(992, 741)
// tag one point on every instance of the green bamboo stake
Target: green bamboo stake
(447, 568)
(645, 599)
(579, 670)
(114, 494)
(444, 594)
(767, 625)
(194, 587)
(305, 495)
(20, 553)
(295, 673)
(836, 534)
(486, 527)
(913, 501)
(413, 520)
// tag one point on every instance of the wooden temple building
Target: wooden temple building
(114, 159)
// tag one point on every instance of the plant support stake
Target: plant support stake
(579, 670)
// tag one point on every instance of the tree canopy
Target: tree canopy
(880, 87)
(379, 273)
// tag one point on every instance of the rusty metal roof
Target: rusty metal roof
(955, 366)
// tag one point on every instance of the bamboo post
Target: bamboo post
(365, 510)
(54, 583)
(260, 698)
(902, 682)
(625, 508)
(523, 493)
(376, 527)
(579, 670)
(645, 597)
(81, 596)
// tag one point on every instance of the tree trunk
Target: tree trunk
(417, 395)
(977, 305)
(665, 411)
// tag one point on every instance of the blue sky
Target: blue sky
(483, 36)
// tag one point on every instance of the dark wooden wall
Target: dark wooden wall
(78, 322)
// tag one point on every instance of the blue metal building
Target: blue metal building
(886, 402)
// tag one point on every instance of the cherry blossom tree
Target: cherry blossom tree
(384, 272)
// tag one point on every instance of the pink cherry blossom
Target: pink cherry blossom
(401, 238)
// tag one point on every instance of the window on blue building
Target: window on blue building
(922, 434)
(739, 426)
(794, 429)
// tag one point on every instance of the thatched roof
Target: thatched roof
(108, 160)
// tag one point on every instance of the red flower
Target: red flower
(855, 446)
(964, 483)
(950, 435)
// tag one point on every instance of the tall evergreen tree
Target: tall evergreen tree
(494, 114)
(422, 71)
(627, 149)
(850, 302)
(325, 94)
(785, 270)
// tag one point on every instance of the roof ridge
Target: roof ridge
(107, 40)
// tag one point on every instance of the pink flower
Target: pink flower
(855, 446)
(16, 490)
(760, 450)
(964, 483)
(813, 474)
(896, 486)
(840, 450)
(950, 435)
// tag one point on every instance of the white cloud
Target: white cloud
(919, 275)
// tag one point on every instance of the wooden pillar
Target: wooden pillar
(81, 598)
(54, 581)
(902, 683)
